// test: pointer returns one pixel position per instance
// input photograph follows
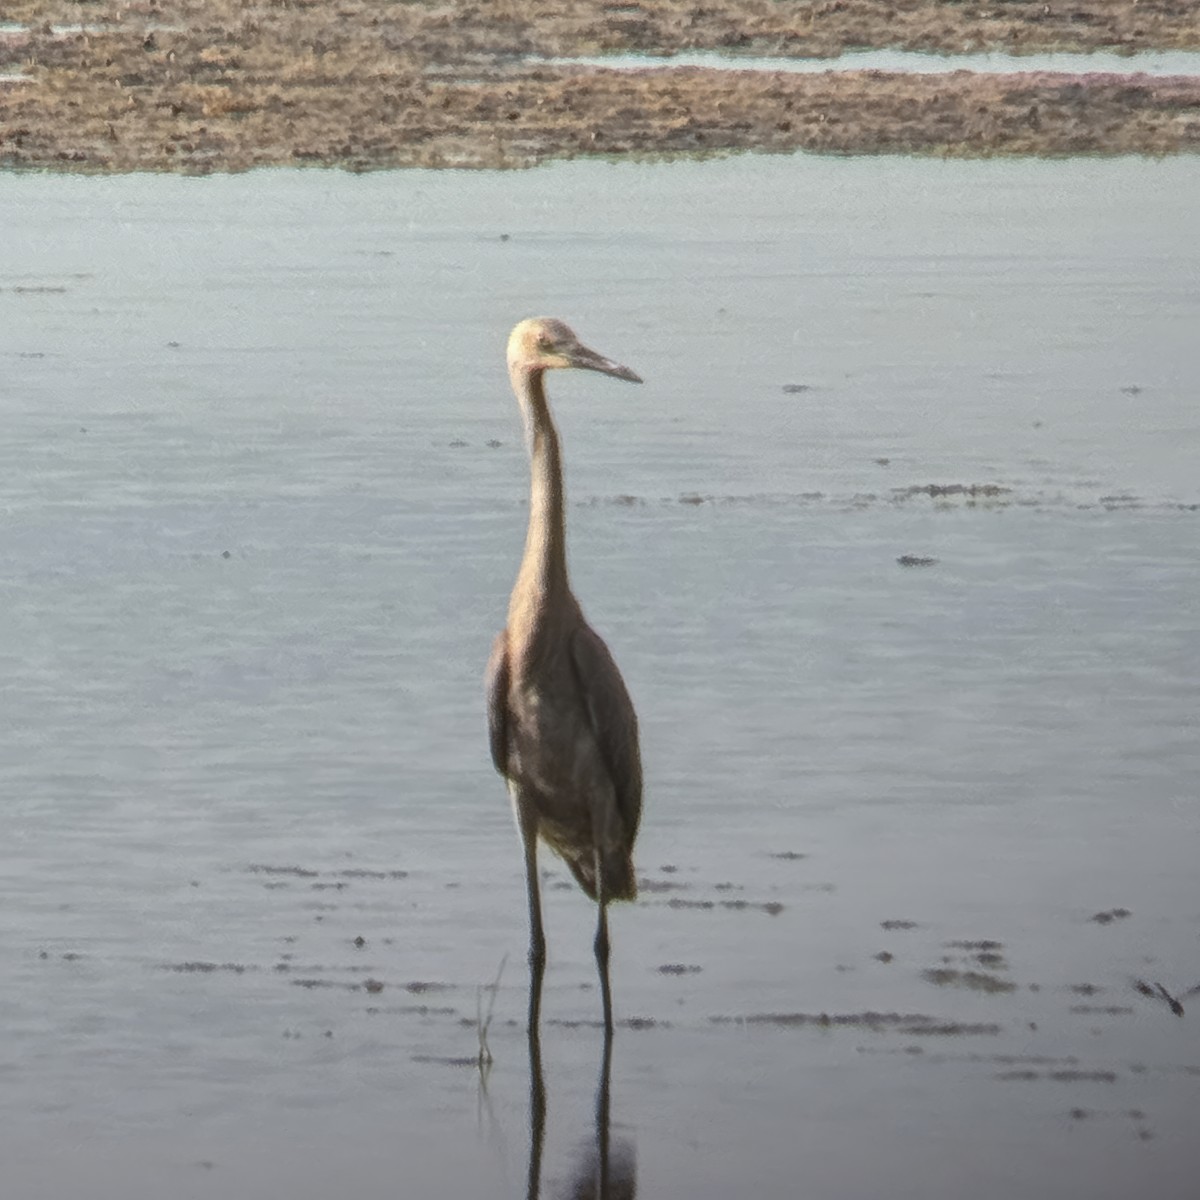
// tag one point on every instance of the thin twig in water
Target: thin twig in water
(1158, 992)
(483, 1020)
(1172, 1003)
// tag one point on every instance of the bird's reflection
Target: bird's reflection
(604, 1171)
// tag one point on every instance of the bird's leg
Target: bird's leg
(537, 939)
(601, 944)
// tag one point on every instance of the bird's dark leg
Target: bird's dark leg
(601, 945)
(537, 939)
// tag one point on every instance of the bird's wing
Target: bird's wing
(497, 702)
(613, 720)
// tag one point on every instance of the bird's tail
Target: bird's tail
(620, 883)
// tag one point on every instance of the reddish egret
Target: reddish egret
(563, 731)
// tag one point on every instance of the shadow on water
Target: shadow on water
(603, 1171)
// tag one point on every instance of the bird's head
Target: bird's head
(542, 344)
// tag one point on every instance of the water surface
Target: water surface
(263, 494)
(992, 62)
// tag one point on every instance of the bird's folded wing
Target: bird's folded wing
(613, 721)
(497, 702)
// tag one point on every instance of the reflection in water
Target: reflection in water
(604, 1171)
(537, 1092)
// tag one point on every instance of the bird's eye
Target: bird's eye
(544, 342)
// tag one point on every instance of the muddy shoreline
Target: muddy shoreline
(222, 86)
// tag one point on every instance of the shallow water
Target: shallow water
(1141, 62)
(257, 537)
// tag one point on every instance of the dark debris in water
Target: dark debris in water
(973, 491)
(916, 560)
(1110, 915)
(1158, 992)
(975, 495)
(419, 1010)
(334, 880)
(679, 969)
(662, 885)
(787, 855)
(771, 907)
(442, 1060)
(1007, 1060)
(310, 984)
(985, 952)
(914, 1024)
(635, 1023)
(640, 1023)
(976, 981)
(898, 924)
(266, 869)
(1070, 1076)
(207, 968)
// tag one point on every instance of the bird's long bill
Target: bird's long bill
(589, 360)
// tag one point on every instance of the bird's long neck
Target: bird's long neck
(543, 573)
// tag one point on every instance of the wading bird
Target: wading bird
(562, 727)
